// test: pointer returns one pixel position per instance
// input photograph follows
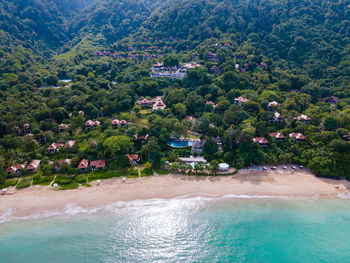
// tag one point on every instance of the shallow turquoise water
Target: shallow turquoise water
(180, 144)
(186, 230)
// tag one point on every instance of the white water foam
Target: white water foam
(194, 199)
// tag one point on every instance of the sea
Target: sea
(186, 229)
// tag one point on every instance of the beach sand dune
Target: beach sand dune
(37, 199)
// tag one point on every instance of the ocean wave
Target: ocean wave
(191, 200)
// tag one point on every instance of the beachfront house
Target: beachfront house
(276, 118)
(262, 141)
(279, 137)
(83, 165)
(33, 166)
(97, 165)
(192, 159)
(53, 148)
(297, 136)
(134, 159)
(15, 169)
(240, 100)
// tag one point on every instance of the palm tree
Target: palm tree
(214, 166)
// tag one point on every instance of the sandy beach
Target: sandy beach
(298, 183)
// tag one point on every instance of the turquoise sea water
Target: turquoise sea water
(180, 144)
(186, 230)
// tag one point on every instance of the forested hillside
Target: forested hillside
(231, 74)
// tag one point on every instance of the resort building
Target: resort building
(279, 137)
(192, 159)
(115, 123)
(97, 165)
(15, 169)
(190, 118)
(262, 141)
(215, 70)
(81, 113)
(26, 128)
(240, 100)
(299, 137)
(159, 70)
(67, 161)
(83, 165)
(91, 124)
(276, 118)
(53, 148)
(133, 158)
(159, 104)
(33, 166)
(208, 102)
(303, 118)
(123, 122)
(218, 141)
(273, 105)
(212, 57)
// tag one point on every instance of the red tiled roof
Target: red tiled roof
(98, 163)
(84, 163)
(297, 136)
(277, 135)
(132, 157)
(260, 140)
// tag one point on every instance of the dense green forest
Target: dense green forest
(293, 52)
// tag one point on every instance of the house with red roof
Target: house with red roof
(63, 127)
(273, 105)
(115, 123)
(240, 100)
(133, 158)
(53, 148)
(303, 118)
(279, 137)
(276, 118)
(15, 169)
(297, 136)
(83, 165)
(33, 166)
(97, 165)
(262, 141)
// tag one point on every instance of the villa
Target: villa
(159, 104)
(208, 102)
(272, 105)
(133, 158)
(83, 165)
(303, 118)
(15, 169)
(123, 122)
(279, 137)
(159, 70)
(33, 166)
(299, 137)
(190, 118)
(26, 128)
(240, 100)
(70, 144)
(215, 70)
(115, 123)
(53, 148)
(63, 127)
(212, 57)
(91, 124)
(97, 165)
(197, 147)
(262, 141)
(277, 118)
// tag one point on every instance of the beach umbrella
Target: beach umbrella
(4, 191)
(123, 179)
(98, 182)
(55, 185)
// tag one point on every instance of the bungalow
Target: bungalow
(262, 141)
(123, 122)
(277, 118)
(145, 102)
(81, 113)
(212, 57)
(141, 137)
(53, 148)
(133, 158)
(159, 104)
(15, 169)
(190, 118)
(208, 102)
(215, 70)
(83, 165)
(97, 165)
(33, 166)
(299, 137)
(70, 144)
(279, 137)
(272, 105)
(67, 161)
(88, 125)
(303, 118)
(115, 123)
(240, 100)
(26, 128)
(63, 127)
(96, 124)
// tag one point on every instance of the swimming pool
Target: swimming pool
(180, 144)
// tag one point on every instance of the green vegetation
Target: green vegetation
(23, 183)
(9, 182)
(295, 53)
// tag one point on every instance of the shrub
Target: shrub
(133, 172)
(11, 182)
(24, 183)
(81, 178)
(95, 175)
(43, 180)
(72, 185)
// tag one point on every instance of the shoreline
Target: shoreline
(268, 184)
